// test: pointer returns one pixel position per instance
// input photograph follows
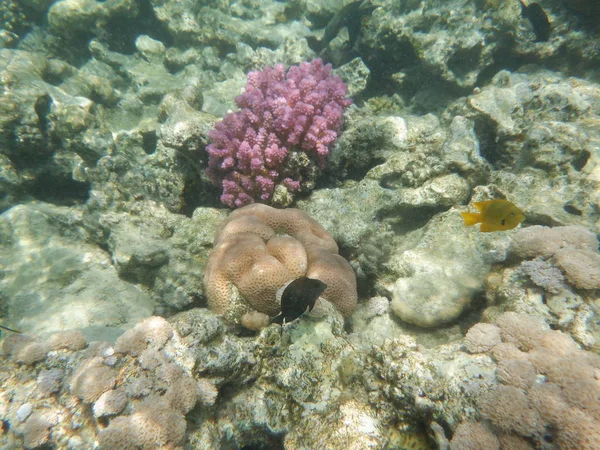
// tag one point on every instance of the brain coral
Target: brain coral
(259, 248)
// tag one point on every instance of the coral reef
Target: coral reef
(547, 392)
(430, 289)
(474, 436)
(573, 249)
(544, 275)
(287, 122)
(108, 217)
(137, 391)
(455, 43)
(258, 249)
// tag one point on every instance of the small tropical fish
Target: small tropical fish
(350, 16)
(494, 215)
(538, 19)
(297, 297)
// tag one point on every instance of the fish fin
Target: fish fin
(278, 319)
(471, 218)
(486, 228)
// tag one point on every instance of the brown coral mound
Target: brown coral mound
(573, 248)
(522, 330)
(509, 409)
(482, 337)
(512, 442)
(473, 436)
(535, 241)
(518, 373)
(582, 267)
(260, 248)
(24, 349)
(92, 379)
(152, 332)
(36, 431)
(70, 340)
(548, 388)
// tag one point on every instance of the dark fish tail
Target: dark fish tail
(523, 9)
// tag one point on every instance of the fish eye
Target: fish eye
(512, 213)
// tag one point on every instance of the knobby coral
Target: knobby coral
(547, 392)
(133, 395)
(260, 248)
(573, 249)
(285, 126)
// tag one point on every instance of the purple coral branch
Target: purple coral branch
(300, 110)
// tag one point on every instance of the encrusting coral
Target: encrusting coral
(547, 392)
(474, 436)
(574, 249)
(36, 430)
(134, 394)
(260, 248)
(92, 379)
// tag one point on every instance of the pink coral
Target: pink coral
(281, 113)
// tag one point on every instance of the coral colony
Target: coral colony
(259, 249)
(281, 112)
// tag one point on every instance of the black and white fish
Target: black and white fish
(297, 297)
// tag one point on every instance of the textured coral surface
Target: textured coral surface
(108, 215)
(547, 392)
(281, 112)
(133, 394)
(260, 248)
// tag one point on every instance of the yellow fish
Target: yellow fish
(494, 215)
